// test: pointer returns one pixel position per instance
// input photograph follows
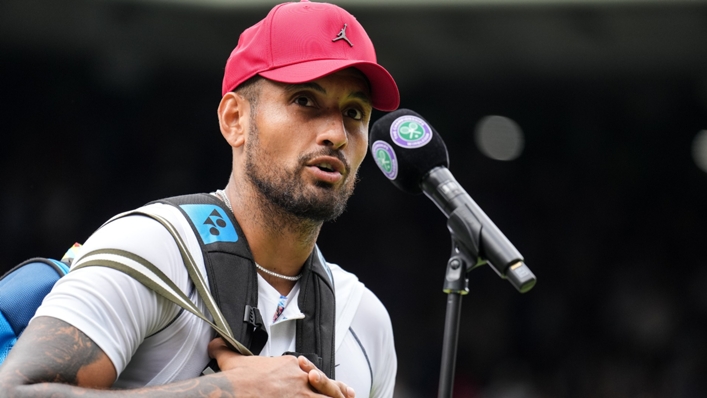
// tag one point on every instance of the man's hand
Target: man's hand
(321, 383)
(52, 358)
(284, 376)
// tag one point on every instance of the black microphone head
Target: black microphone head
(405, 147)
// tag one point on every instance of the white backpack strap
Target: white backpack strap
(153, 278)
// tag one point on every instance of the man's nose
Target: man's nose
(334, 133)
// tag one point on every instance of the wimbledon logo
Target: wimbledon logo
(385, 159)
(410, 132)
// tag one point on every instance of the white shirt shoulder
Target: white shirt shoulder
(141, 332)
(365, 349)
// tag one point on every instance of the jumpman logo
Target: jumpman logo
(342, 36)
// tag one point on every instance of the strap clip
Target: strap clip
(252, 317)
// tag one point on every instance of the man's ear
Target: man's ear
(233, 118)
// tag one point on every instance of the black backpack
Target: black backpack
(231, 297)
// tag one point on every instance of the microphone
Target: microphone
(412, 155)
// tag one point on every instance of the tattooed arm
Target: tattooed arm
(51, 350)
(53, 358)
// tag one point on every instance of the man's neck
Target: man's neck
(279, 241)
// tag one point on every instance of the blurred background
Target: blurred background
(579, 126)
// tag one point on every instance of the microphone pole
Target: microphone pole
(413, 156)
(475, 241)
(456, 285)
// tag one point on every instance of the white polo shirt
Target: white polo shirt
(151, 342)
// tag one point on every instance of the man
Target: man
(297, 97)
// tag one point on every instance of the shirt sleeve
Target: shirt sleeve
(114, 310)
(372, 326)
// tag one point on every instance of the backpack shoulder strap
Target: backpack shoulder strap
(315, 336)
(229, 264)
(234, 283)
(153, 278)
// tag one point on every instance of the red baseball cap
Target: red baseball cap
(301, 42)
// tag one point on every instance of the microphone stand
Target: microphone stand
(475, 241)
(456, 285)
(466, 250)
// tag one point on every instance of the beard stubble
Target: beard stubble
(285, 189)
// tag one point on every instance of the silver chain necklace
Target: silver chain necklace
(221, 194)
(275, 274)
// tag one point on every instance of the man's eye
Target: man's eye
(354, 113)
(304, 101)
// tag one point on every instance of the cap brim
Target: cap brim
(384, 91)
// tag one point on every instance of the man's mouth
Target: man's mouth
(328, 169)
(328, 164)
(325, 166)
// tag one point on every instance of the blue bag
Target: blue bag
(22, 290)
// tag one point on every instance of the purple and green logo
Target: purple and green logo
(385, 159)
(410, 132)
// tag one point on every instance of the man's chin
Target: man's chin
(307, 199)
(324, 185)
(324, 205)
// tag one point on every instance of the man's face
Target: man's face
(306, 143)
